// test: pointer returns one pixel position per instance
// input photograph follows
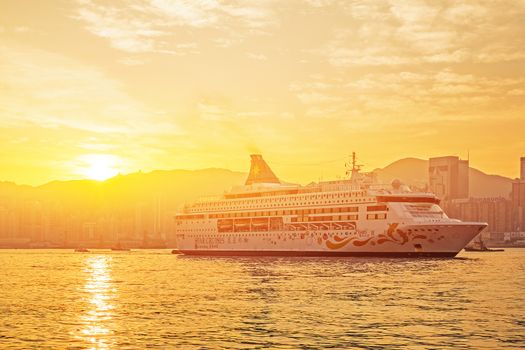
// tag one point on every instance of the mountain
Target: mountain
(180, 186)
(413, 171)
(177, 187)
(174, 187)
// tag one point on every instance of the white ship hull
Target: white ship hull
(428, 241)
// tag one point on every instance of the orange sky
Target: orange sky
(92, 88)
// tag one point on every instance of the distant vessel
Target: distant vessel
(82, 250)
(350, 217)
(119, 247)
(479, 246)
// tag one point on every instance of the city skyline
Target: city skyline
(94, 88)
(138, 209)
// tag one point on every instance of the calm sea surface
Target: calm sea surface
(53, 299)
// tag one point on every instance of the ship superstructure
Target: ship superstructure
(350, 217)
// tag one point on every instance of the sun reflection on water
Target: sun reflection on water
(99, 294)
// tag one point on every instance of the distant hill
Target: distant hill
(413, 171)
(175, 187)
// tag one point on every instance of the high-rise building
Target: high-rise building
(518, 199)
(88, 231)
(448, 177)
(522, 168)
(4, 223)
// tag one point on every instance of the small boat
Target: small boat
(81, 250)
(484, 249)
(119, 247)
(175, 251)
(480, 246)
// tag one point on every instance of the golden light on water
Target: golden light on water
(100, 292)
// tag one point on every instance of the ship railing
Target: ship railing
(207, 199)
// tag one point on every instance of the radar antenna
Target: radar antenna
(354, 170)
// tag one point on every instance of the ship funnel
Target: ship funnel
(260, 172)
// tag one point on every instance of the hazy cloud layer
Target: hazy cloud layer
(51, 90)
(150, 26)
(188, 84)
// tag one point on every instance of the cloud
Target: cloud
(211, 111)
(257, 56)
(418, 32)
(380, 98)
(51, 90)
(130, 61)
(150, 26)
(124, 33)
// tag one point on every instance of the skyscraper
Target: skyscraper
(448, 177)
(518, 199)
(522, 168)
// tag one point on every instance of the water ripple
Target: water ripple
(152, 299)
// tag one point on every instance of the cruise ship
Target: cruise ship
(354, 216)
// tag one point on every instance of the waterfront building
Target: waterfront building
(518, 199)
(494, 211)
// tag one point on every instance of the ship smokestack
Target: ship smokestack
(260, 172)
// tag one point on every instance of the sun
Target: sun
(98, 167)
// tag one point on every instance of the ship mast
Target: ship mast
(354, 170)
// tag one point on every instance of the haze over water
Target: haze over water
(152, 299)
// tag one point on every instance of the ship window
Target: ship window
(376, 208)
(352, 209)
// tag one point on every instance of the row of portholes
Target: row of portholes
(273, 201)
(198, 210)
(275, 235)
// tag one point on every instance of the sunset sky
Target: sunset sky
(92, 88)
